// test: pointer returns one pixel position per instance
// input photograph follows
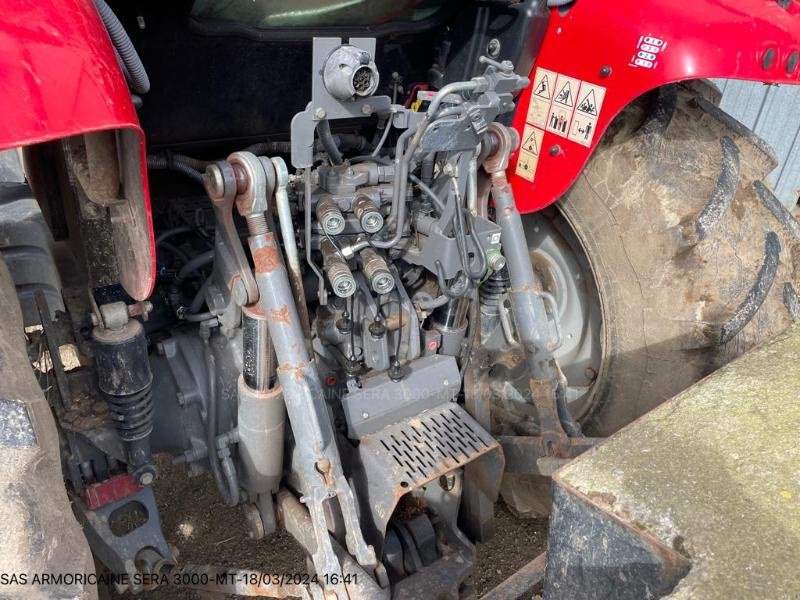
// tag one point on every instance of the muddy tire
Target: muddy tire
(694, 259)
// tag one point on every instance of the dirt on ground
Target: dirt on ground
(204, 531)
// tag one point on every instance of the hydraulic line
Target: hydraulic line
(326, 137)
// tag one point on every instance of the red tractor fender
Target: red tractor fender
(597, 57)
(59, 77)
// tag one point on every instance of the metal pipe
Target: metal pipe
(450, 88)
(307, 212)
(398, 210)
(472, 186)
(290, 242)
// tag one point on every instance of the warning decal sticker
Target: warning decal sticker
(541, 97)
(584, 121)
(562, 105)
(529, 152)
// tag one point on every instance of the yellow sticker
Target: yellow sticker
(529, 150)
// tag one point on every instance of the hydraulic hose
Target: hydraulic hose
(201, 260)
(179, 163)
(139, 81)
(326, 137)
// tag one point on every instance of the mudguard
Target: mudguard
(59, 77)
(597, 57)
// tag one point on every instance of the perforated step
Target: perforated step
(421, 448)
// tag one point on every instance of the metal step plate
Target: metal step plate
(420, 449)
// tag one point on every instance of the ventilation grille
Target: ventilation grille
(426, 446)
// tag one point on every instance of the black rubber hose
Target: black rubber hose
(176, 162)
(140, 82)
(326, 137)
(200, 297)
(199, 261)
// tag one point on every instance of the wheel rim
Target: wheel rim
(561, 262)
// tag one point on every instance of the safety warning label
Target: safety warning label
(541, 97)
(587, 110)
(529, 152)
(563, 105)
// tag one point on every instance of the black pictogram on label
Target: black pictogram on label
(588, 105)
(530, 144)
(565, 95)
(543, 89)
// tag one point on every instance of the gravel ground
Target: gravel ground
(206, 532)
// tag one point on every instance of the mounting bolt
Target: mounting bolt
(320, 113)
(214, 181)
(365, 415)
(605, 71)
(239, 292)
(555, 150)
(146, 478)
(493, 48)
(366, 109)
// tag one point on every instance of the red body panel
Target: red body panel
(700, 39)
(59, 77)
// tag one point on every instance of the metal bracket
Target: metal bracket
(120, 553)
(325, 106)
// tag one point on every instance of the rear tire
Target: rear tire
(694, 259)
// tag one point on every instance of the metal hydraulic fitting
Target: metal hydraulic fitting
(339, 274)
(377, 271)
(369, 216)
(330, 217)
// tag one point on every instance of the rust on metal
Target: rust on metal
(279, 315)
(266, 259)
(296, 371)
(254, 310)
